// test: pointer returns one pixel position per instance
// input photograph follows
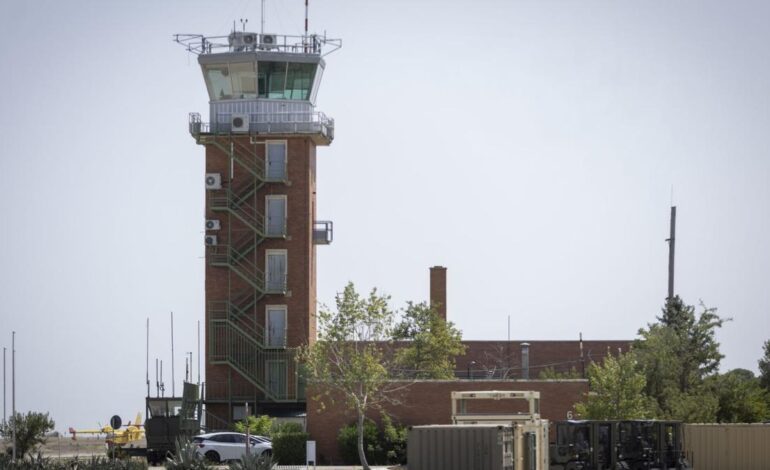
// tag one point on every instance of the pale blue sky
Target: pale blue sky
(530, 147)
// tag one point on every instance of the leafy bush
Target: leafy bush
(289, 447)
(287, 428)
(258, 425)
(348, 444)
(394, 441)
(30, 430)
(382, 446)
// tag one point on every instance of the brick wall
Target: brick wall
(222, 283)
(429, 402)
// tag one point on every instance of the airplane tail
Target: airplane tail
(138, 421)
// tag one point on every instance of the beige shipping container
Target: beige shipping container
(728, 446)
(460, 447)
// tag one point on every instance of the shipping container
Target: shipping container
(728, 446)
(460, 447)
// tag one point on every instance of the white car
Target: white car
(222, 446)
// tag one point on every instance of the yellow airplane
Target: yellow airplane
(116, 437)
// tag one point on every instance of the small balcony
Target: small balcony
(323, 232)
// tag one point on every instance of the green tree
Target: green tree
(741, 398)
(31, 429)
(677, 354)
(764, 367)
(617, 390)
(352, 358)
(432, 343)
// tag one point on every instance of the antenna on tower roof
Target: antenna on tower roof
(262, 19)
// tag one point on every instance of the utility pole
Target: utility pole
(4, 414)
(671, 245)
(13, 393)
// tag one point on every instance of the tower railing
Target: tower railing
(285, 122)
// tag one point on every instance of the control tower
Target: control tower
(261, 231)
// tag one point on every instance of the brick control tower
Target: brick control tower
(261, 228)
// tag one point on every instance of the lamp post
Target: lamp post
(470, 367)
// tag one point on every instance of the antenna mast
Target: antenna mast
(671, 246)
(147, 358)
(306, 8)
(173, 391)
(262, 19)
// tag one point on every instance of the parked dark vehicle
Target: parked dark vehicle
(618, 445)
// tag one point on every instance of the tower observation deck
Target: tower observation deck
(261, 233)
(262, 83)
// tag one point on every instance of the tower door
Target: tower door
(276, 216)
(276, 270)
(276, 160)
(276, 327)
(276, 378)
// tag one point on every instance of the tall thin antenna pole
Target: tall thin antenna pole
(199, 353)
(173, 390)
(162, 385)
(4, 414)
(157, 381)
(147, 358)
(13, 393)
(306, 10)
(262, 20)
(671, 246)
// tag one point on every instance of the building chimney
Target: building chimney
(438, 290)
(525, 361)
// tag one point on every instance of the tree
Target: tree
(549, 373)
(31, 429)
(432, 343)
(352, 357)
(677, 354)
(764, 367)
(741, 398)
(617, 390)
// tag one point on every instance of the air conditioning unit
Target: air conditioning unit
(268, 41)
(239, 122)
(213, 181)
(242, 41)
(213, 224)
(211, 240)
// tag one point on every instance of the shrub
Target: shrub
(289, 447)
(258, 425)
(348, 444)
(253, 462)
(30, 430)
(394, 441)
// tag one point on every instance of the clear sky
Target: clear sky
(529, 146)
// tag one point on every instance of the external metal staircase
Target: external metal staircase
(235, 337)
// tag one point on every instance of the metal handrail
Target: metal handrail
(275, 123)
(312, 44)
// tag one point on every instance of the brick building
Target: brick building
(261, 227)
(261, 236)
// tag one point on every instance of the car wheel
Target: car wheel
(212, 456)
